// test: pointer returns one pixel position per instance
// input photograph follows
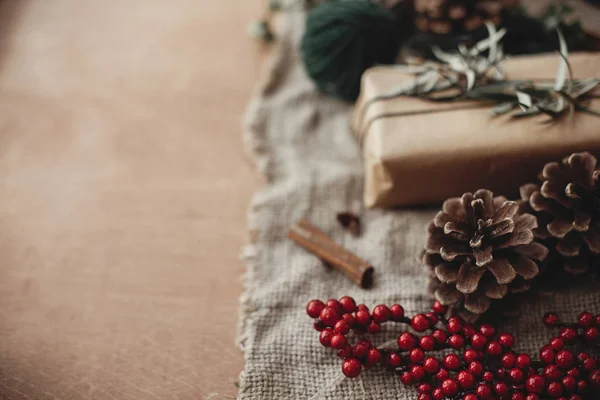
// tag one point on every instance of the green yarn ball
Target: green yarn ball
(344, 38)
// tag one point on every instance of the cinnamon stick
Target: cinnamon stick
(317, 242)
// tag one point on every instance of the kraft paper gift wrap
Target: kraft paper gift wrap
(438, 150)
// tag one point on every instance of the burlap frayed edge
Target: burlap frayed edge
(254, 132)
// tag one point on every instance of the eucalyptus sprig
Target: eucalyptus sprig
(471, 74)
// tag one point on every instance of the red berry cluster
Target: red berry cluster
(483, 366)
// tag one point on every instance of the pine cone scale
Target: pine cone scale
(468, 278)
(507, 211)
(502, 271)
(524, 266)
(592, 239)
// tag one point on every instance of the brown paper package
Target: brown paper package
(445, 149)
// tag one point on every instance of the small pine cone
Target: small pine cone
(480, 249)
(567, 205)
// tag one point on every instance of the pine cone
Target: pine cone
(447, 16)
(480, 249)
(567, 205)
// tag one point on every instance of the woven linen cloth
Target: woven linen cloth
(312, 165)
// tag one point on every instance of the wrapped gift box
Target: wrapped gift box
(421, 152)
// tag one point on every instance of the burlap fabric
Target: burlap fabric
(312, 166)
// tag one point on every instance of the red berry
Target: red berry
(508, 360)
(345, 352)
(476, 368)
(569, 335)
(506, 340)
(338, 341)
(589, 364)
(478, 341)
(585, 319)
(516, 375)
(420, 323)
(484, 392)
(374, 327)
(487, 329)
(564, 359)
(470, 396)
(362, 307)
(532, 396)
(373, 357)
(381, 313)
(407, 341)
(594, 379)
(333, 303)
(427, 342)
(581, 357)
(329, 316)
(351, 367)
(591, 334)
(431, 365)
(397, 312)
(416, 355)
(394, 360)
(407, 378)
(349, 319)
(455, 325)
(438, 308)
(551, 319)
(418, 373)
(569, 383)
(552, 372)
(348, 304)
(574, 372)
(442, 374)
(500, 374)
(582, 386)
(433, 319)
(470, 355)
(456, 341)
(557, 343)
(325, 337)
(424, 396)
(465, 379)
(319, 325)
(438, 394)
(547, 355)
(452, 362)
(469, 331)
(535, 384)
(450, 387)
(314, 308)
(501, 389)
(488, 376)
(494, 349)
(362, 317)
(523, 361)
(360, 351)
(424, 388)
(440, 336)
(555, 389)
(517, 396)
(341, 327)
(575, 397)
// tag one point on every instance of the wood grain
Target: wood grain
(123, 196)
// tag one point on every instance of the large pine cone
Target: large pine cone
(568, 208)
(480, 249)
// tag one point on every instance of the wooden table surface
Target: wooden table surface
(124, 191)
